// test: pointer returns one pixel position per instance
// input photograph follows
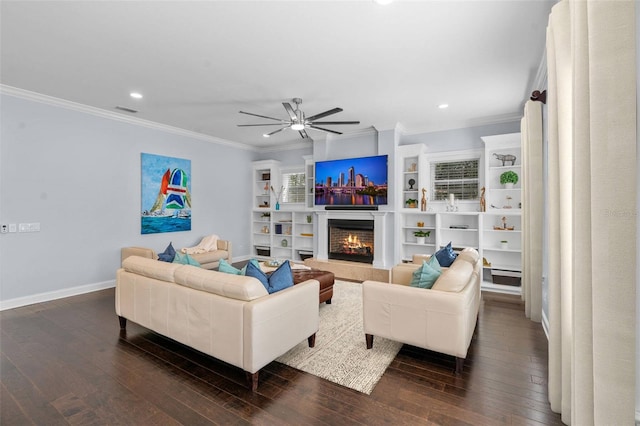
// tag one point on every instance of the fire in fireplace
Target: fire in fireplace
(351, 240)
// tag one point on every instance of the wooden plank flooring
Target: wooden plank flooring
(65, 363)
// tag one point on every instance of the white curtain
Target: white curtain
(592, 211)
(532, 210)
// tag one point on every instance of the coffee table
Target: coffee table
(304, 273)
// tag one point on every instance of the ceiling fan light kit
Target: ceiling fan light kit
(297, 120)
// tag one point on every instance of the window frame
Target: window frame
(454, 157)
(302, 194)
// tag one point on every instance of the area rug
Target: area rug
(340, 354)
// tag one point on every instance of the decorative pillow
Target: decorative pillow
(185, 259)
(433, 262)
(168, 254)
(446, 255)
(279, 279)
(425, 276)
(227, 268)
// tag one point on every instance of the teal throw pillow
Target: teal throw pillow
(168, 254)
(425, 276)
(433, 262)
(446, 255)
(279, 279)
(185, 259)
(227, 268)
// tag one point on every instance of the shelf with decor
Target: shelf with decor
(459, 228)
(502, 221)
(413, 223)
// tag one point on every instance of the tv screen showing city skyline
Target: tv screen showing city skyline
(352, 181)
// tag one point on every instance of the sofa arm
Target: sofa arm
(137, 251)
(225, 245)
(431, 319)
(276, 323)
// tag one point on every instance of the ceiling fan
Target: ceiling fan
(297, 120)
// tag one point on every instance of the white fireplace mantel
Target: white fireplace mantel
(379, 231)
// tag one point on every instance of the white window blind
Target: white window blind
(293, 187)
(455, 177)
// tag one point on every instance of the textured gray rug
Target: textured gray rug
(340, 354)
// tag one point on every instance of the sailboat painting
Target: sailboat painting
(166, 194)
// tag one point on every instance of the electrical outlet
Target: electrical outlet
(13, 227)
(23, 227)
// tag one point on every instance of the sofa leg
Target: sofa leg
(252, 378)
(123, 322)
(312, 340)
(369, 339)
(459, 365)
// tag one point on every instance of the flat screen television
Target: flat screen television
(358, 181)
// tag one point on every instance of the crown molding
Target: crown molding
(456, 125)
(110, 115)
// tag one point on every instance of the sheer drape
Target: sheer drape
(532, 210)
(591, 209)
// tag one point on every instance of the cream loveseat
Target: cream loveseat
(440, 319)
(207, 260)
(230, 317)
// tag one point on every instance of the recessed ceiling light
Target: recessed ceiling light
(135, 95)
(443, 106)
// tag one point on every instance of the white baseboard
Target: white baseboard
(545, 324)
(53, 295)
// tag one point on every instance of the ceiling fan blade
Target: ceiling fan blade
(265, 124)
(324, 114)
(290, 111)
(335, 122)
(262, 116)
(324, 130)
(276, 131)
(303, 134)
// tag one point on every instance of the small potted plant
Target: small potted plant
(266, 216)
(411, 203)
(421, 235)
(504, 245)
(508, 179)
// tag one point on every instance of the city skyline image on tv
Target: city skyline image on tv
(352, 181)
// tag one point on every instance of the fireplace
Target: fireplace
(351, 240)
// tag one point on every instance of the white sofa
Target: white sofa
(207, 260)
(230, 317)
(440, 319)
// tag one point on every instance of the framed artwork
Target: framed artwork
(166, 194)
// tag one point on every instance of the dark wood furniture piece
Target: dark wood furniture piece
(326, 279)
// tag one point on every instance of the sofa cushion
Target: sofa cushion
(227, 285)
(185, 259)
(446, 255)
(278, 280)
(168, 254)
(455, 278)
(150, 268)
(425, 276)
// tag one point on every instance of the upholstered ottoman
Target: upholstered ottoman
(326, 279)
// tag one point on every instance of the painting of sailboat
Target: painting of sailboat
(166, 194)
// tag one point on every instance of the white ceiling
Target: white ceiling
(198, 63)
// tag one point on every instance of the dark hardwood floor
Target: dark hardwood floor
(65, 362)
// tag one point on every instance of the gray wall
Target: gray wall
(78, 174)
(460, 139)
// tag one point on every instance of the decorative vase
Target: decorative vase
(508, 185)
(309, 218)
(284, 243)
(421, 240)
(504, 245)
(277, 205)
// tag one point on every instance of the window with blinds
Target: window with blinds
(455, 177)
(293, 187)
